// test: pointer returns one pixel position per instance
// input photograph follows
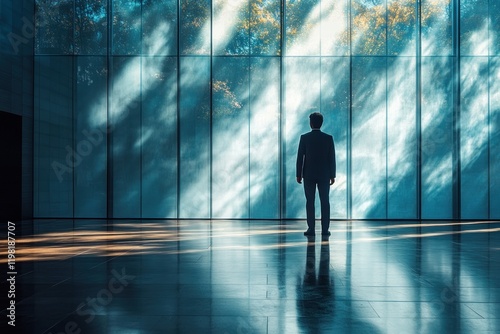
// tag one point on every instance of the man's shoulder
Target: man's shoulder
(320, 133)
(326, 138)
(306, 135)
(317, 134)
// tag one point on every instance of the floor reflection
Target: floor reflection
(97, 276)
(316, 293)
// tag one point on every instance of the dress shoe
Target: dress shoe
(327, 234)
(309, 232)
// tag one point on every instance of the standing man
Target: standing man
(316, 165)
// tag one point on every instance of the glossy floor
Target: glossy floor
(90, 276)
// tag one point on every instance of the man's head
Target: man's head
(316, 120)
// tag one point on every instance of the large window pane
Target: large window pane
(158, 138)
(335, 107)
(494, 28)
(474, 28)
(54, 27)
(474, 138)
(264, 138)
(401, 138)
(55, 156)
(265, 27)
(369, 137)
(194, 167)
(436, 19)
(230, 151)
(91, 137)
(369, 34)
(230, 35)
(402, 27)
(302, 27)
(334, 28)
(437, 132)
(126, 28)
(302, 97)
(494, 176)
(91, 27)
(125, 121)
(159, 27)
(195, 27)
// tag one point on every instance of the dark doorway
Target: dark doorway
(10, 166)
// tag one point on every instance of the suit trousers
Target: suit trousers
(324, 197)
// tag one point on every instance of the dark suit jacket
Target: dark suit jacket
(316, 156)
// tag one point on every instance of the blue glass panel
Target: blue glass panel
(125, 121)
(53, 27)
(368, 34)
(436, 20)
(474, 30)
(159, 137)
(194, 113)
(334, 28)
(401, 138)
(494, 37)
(265, 27)
(126, 27)
(230, 33)
(302, 97)
(302, 27)
(90, 193)
(335, 107)
(159, 27)
(494, 167)
(474, 138)
(369, 156)
(437, 132)
(55, 158)
(91, 27)
(230, 131)
(402, 27)
(195, 27)
(264, 138)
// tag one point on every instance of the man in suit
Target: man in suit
(316, 165)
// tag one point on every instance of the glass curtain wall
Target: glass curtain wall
(194, 108)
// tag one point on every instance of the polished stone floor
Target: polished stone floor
(129, 276)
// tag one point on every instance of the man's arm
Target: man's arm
(333, 163)
(300, 160)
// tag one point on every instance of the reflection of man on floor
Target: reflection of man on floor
(316, 165)
(315, 296)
